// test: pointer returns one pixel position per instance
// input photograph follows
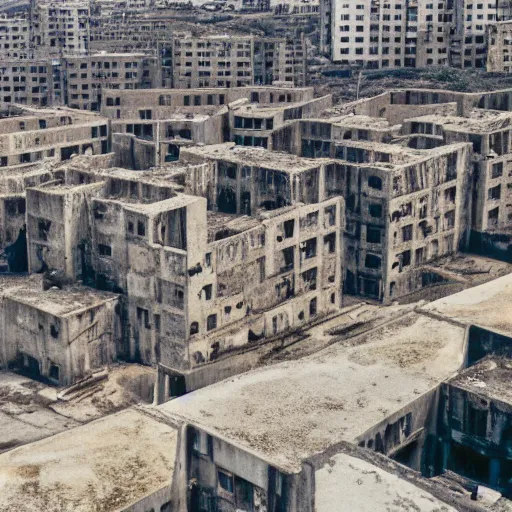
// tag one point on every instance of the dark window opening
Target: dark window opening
(372, 261)
(313, 307)
(375, 182)
(211, 322)
(373, 235)
(104, 250)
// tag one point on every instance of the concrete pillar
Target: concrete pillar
(165, 391)
(238, 188)
(321, 184)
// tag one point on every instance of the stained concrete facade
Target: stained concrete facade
(411, 34)
(395, 128)
(58, 335)
(87, 77)
(29, 135)
(203, 277)
(60, 30)
(35, 83)
(477, 424)
(405, 207)
(150, 129)
(232, 61)
(14, 38)
(499, 37)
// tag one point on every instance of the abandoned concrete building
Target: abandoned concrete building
(419, 34)
(28, 135)
(232, 61)
(14, 38)
(150, 129)
(88, 76)
(57, 335)
(394, 129)
(97, 465)
(474, 411)
(477, 424)
(405, 207)
(305, 414)
(499, 37)
(35, 83)
(233, 274)
(60, 29)
(13, 185)
(262, 438)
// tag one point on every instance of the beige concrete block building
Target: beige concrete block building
(29, 135)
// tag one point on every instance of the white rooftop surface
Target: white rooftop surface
(488, 305)
(104, 465)
(348, 484)
(289, 411)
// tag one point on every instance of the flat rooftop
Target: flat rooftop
(31, 410)
(258, 157)
(488, 305)
(368, 488)
(287, 412)
(491, 377)
(58, 302)
(179, 201)
(357, 121)
(480, 121)
(399, 155)
(104, 465)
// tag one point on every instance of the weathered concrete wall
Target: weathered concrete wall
(75, 343)
(154, 501)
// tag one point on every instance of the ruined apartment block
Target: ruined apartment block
(414, 123)
(405, 207)
(150, 129)
(29, 135)
(13, 239)
(489, 132)
(35, 83)
(60, 29)
(232, 61)
(477, 424)
(87, 77)
(58, 335)
(15, 41)
(499, 51)
(409, 34)
(202, 276)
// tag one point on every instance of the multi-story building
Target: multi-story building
(126, 32)
(28, 135)
(150, 126)
(60, 29)
(490, 135)
(243, 442)
(232, 61)
(15, 38)
(499, 43)
(35, 83)
(59, 335)
(13, 234)
(477, 424)
(87, 77)
(239, 267)
(409, 34)
(405, 207)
